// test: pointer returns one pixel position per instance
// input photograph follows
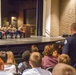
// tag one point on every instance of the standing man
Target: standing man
(70, 45)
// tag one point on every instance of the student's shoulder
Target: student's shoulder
(5, 73)
(46, 72)
(27, 72)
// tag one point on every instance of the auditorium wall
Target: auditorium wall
(15, 9)
(24, 6)
(67, 15)
(7, 11)
(55, 17)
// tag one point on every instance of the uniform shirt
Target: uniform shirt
(37, 71)
(70, 48)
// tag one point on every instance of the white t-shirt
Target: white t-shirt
(37, 71)
(10, 68)
(5, 73)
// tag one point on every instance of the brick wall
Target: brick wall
(67, 15)
(55, 18)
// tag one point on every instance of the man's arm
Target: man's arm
(66, 47)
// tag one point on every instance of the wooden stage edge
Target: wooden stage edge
(22, 44)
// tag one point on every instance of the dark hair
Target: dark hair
(58, 47)
(3, 56)
(26, 55)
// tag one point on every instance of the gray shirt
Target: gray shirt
(5, 73)
(36, 71)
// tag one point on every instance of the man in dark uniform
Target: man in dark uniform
(70, 45)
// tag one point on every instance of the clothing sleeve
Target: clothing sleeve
(20, 68)
(66, 47)
(13, 69)
(50, 73)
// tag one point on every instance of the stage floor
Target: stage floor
(29, 40)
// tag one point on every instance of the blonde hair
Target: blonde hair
(36, 59)
(63, 69)
(10, 58)
(48, 50)
(64, 58)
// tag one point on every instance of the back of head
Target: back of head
(64, 58)
(26, 55)
(63, 69)
(34, 48)
(36, 59)
(10, 59)
(48, 50)
(73, 26)
(3, 56)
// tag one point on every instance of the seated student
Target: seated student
(25, 64)
(2, 72)
(8, 67)
(2, 32)
(63, 69)
(58, 49)
(35, 62)
(48, 60)
(34, 48)
(11, 30)
(10, 64)
(64, 58)
(22, 31)
(4, 29)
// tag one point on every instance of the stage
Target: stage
(22, 44)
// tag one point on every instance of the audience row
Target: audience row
(35, 63)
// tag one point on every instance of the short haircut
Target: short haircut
(63, 69)
(73, 26)
(64, 58)
(3, 56)
(36, 59)
(26, 55)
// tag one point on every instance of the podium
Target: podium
(27, 30)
